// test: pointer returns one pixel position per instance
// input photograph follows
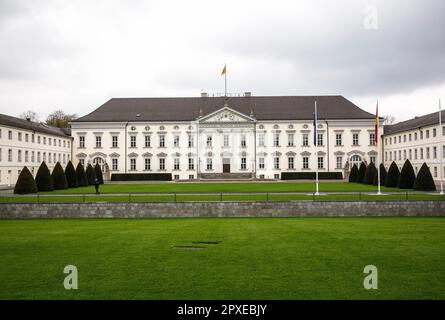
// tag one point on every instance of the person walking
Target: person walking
(96, 185)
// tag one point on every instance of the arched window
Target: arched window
(100, 162)
(355, 159)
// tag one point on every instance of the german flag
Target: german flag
(376, 124)
(224, 70)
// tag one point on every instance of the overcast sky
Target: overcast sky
(77, 54)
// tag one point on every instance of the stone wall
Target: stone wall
(223, 209)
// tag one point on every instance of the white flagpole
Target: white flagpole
(377, 139)
(441, 147)
(316, 150)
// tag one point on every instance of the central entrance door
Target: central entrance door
(226, 165)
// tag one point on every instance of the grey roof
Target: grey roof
(33, 126)
(415, 123)
(188, 109)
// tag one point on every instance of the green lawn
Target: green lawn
(274, 258)
(221, 192)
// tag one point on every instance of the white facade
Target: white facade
(420, 145)
(225, 141)
(23, 147)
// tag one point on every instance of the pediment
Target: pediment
(226, 114)
(81, 155)
(98, 154)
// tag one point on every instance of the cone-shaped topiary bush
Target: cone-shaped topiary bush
(371, 171)
(59, 178)
(424, 180)
(392, 177)
(361, 173)
(382, 176)
(99, 174)
(71, 176)
(81, 176)
(91, 175)
(407, 176)
(353, 174)
(25, 183)
(44, 180)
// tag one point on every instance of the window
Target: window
(38, 157)
(404, 138)
(209, 142)
(209, 164)
(63, 157)
(162, 164)
(261, 139)
(320, 139)
(19, 136)
(421, 134)
(190, 141)
(421, 153)
(191, 164)
(81, 142)
(26, 156)
(404, 154)
(338, 139)
(320, 162)
(98, 142)
(415, 136)
(114, 141)
(409, 137)
(133, 164)
(390, 156)
(191, 176)
(176, 177)
(50, 141)
(290, 139)
(435, 172)
(147, 164)
(60, 143)
(276, 163)
(276, 176)
(410, 152)
(355, 139)
(400, 139)
(339, 162)
(176, 164)
(32, 138)
(261, 163)
(305, 139)
(49, 157)
(290, 162)
(176, 141)
(243, 163)
(226, 141)
(114, 164)
(427, 133)
(10, 135)
(132, 141)
(415, 154)
(147, 141)
(44, 157)
(428, 152)
(162, 140)
(19, 155)
(243, 141)
(372, 139)
(443, 131)
(44, 140)
(276, 139)
(33, 157)
(27, 137)
(434, 132)
(356, 160)
(305, 162)
(443, 151)
(400, 155)
(372, 159)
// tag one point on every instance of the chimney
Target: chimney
(247, 94)
(28, 119)
(204, 95)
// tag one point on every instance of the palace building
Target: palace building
(419, 140)
(27, 143)
(240, 137)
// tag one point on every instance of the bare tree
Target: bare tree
(388, 119)
(60, 119)
(29, 115)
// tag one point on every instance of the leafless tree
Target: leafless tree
(29, 115)
(388, 119)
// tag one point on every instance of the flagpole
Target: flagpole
(316, 149)
(378, 148)
(441, 147)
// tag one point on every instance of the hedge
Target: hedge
(382, 176)
(91, 175)
(424, 180)
(407, 176)
(71, 176)
(370, 173)
(59, 178)
(361, 173)
(44, 180)
(99, 174)
(392, 177)
(141, 176)
(353, 174)
(81, 176)
(25, 183)
(311, 176)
